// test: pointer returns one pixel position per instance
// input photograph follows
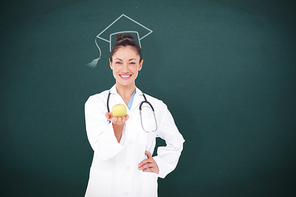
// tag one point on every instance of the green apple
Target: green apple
(119, 110)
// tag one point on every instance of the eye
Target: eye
(132, 62)
(118, 63)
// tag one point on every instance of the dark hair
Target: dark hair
(123, 40)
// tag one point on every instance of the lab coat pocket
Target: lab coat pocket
(99, 183)
(149, 184)
(148, 124)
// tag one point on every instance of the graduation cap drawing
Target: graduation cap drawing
(122, 25)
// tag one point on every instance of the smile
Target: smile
(125, 76)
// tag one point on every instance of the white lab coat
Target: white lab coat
(114, 170)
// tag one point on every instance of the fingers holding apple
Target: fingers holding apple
(116, 120)
(118, 115)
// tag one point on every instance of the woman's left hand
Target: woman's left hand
(149, 164)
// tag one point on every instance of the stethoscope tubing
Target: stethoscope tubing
(140, 108)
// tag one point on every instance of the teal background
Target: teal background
(225, 68)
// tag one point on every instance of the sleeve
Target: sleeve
(99, 131)
(167, 157)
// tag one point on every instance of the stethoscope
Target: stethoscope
(140, 108)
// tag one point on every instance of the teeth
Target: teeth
(125, 76)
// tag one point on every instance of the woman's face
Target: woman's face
(125, 65)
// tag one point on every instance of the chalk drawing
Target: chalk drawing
(129, 30)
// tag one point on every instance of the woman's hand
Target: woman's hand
(117, 123)
(149, 164)
(116, 120)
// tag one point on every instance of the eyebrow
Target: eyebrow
(128, 60)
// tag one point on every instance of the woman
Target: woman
(122, 164)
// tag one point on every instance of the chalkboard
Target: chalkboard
(226, 70)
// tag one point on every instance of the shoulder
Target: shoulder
(98, 98)
(155, 102)
(151, 99)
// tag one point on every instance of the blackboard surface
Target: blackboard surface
(226, 69)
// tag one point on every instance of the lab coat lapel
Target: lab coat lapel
(137, 100)
(116, 98)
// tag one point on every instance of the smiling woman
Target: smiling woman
(125, 68)
(122, 163)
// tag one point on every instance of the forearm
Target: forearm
(167, 159)
(118, 131)
(168, 156)
(100, 132)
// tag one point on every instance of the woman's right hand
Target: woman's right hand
(116, 120)
(118, 124)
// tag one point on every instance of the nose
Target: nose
(125, 67)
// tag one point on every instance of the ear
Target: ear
(141, 65)
(110, 64)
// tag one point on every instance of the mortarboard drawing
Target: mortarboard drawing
(122, 25)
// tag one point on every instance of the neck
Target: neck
(125, 92)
